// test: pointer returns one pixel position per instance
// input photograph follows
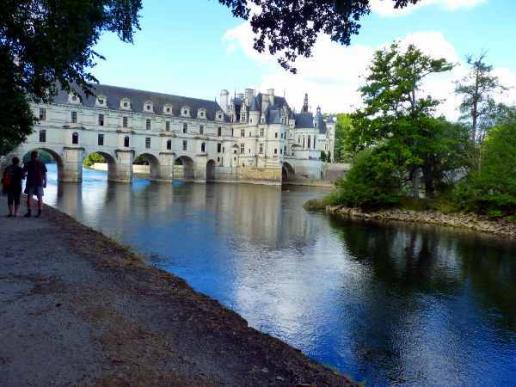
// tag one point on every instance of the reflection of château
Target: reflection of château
(248, 138)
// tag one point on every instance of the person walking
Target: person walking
(12, 185)
(36, 181)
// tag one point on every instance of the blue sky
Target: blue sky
(196, 47)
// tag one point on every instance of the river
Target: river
(404, 305)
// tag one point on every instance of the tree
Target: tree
(397, 115)
(478, 106)
(492, 188)
(48, 44)
(290, 28)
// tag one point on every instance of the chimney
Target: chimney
(249, 95)
(224, 100)
(270, 93)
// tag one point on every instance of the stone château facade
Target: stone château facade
(249, 137)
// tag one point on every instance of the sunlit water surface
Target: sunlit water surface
(387, 305)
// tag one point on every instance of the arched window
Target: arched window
(185, 127)
(169, 144)
(75, 138)
(203, 147)
(126, 141)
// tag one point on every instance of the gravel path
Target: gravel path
(77, 308)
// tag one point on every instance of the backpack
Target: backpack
(6, 180)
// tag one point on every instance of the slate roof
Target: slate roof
(114, 94)
(308, 121)
(304, 120)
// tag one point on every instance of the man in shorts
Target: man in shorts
(12, 186)
(36, 180)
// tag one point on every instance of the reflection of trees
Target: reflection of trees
(406, 259)
(436, 261)
(491, 269)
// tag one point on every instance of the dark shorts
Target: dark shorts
(34, 190)
(13, 197)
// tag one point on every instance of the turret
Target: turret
(305, 104)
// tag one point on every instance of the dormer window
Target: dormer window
(147, 106)
(101, 101)
(220, 116)
(74, 98)
(125, 104)
(201, 113)
(185, 111)
(167, 109)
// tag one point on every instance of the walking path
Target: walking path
(77, 308)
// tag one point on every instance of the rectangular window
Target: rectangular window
(147, 124)
(42, 136)
(242, 133)
(185, 145)
(219, 131)
(74, 117)
(275, 151)
(185, 127)
(101, 119)
(167, 126)
(261, 149)
(276, 135)
(219, 148)
(125, 122)
(242, 148)
(42, 114)
(262, 132)
(169, 144)
(100, 139)
(147, 142)
(201, 129)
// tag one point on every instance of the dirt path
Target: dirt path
(77, 308)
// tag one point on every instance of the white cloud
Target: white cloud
(334, 73)
(386, 7)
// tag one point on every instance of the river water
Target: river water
(404, 305)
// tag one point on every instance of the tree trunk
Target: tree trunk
(428, 180)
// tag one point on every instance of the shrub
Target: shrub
(373, 181)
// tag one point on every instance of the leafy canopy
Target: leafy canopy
(290, 28)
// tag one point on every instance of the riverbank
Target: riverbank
(78, 308)
(501, 228)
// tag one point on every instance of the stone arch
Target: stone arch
(210, 170)
(56, 156)
(287, 172)
(184, 168)
(153, 163)
(110, 160)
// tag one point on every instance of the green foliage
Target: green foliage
(16, 118)
(323, 156)
(492, 188)
(290, 28)
(93, 158)
(373, 181)
(49, 44)
(344, 135)
(478, 106)
(43, 155)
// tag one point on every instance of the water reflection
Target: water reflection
(391, 305)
